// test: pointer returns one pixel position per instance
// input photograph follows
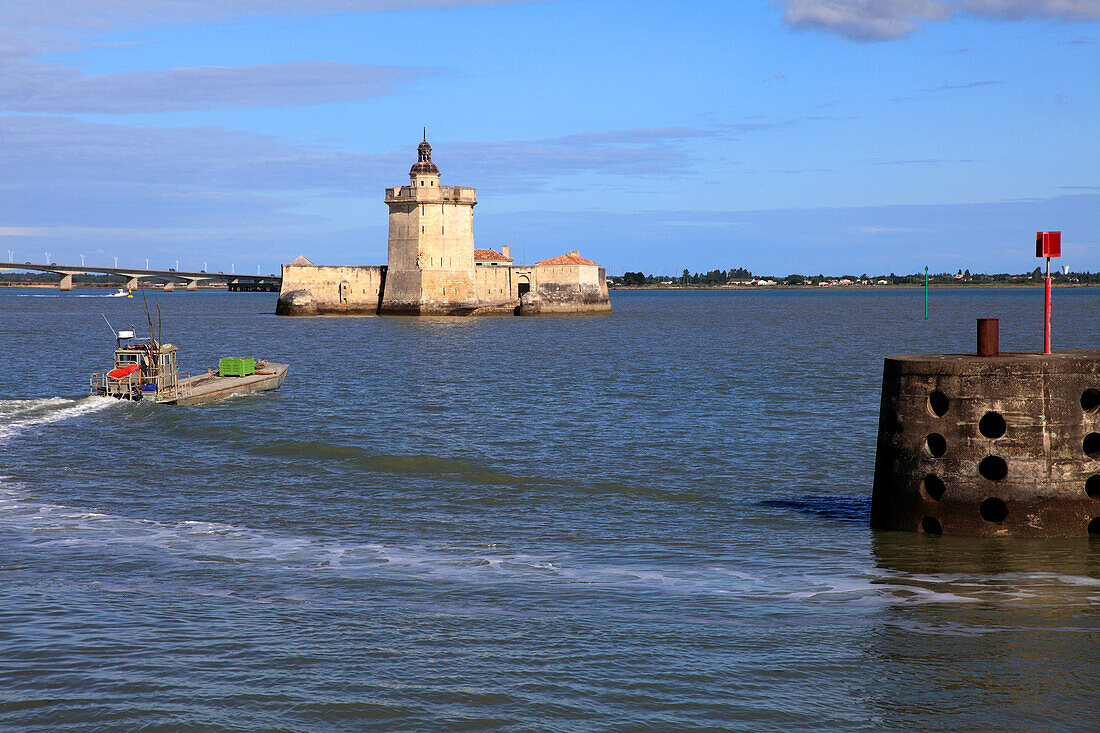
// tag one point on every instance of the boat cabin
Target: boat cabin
(143, 369)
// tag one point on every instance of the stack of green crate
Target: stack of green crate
(236, 366)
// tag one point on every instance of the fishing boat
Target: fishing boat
(145, 369)
(122, 293)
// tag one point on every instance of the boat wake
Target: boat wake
(21, 416)
(191, 544)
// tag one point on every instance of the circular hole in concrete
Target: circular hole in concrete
(936, 445)
(931, 525)
(938, 403)
(993, 510)
(993, 468)
(1090, 400)
(1092, 486)
(1094, 526)
(992, 425)
(934, 487)
(1091, 445)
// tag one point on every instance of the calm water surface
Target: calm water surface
(652, 521)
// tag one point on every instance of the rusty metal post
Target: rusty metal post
(1046, 314)
(989, 337)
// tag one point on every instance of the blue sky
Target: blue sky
(832, 136)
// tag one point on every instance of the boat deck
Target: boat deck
(210, 387)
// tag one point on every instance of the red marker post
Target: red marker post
(1047, 244)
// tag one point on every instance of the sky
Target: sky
(790, 136)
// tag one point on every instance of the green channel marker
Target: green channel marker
(926, 292)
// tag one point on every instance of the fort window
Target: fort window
(1094, 526)
(938, 403)
(422, 184)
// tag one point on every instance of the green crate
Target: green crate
(236, 366)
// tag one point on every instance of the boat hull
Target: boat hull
(207, 388)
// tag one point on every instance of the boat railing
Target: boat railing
(173, 392)
(127, 387)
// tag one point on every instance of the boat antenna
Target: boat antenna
(110, 326)
(149, 317)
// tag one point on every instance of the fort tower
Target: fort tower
(431, 244)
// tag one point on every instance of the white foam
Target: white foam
(191, 541)
(20, 416)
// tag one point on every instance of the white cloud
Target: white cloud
(882, 20)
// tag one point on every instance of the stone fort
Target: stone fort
(434, 268)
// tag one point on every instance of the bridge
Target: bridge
(190, 280)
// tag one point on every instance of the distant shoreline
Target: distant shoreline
(900, 286)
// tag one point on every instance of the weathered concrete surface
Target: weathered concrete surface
(997, 446)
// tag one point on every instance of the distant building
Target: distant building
(434, 268)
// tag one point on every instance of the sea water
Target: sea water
(655, 520)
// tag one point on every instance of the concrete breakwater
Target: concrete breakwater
(1006, 445)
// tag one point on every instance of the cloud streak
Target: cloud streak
(884, 20)
(37, 88)
(32, 30)
(947, 86)
(62, 171)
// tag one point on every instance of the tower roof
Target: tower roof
(424, 164)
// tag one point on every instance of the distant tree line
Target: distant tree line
(741, 274)
(714, 277)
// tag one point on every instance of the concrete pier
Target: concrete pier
(1004, 445)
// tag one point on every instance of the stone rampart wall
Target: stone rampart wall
(494, 283)
(311, 290)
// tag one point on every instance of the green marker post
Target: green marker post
(926, 292)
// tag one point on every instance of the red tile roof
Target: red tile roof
(569, 259)
(481, 255)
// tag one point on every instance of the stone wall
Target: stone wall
(494, 284)
(312, 290)
(567, 290)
